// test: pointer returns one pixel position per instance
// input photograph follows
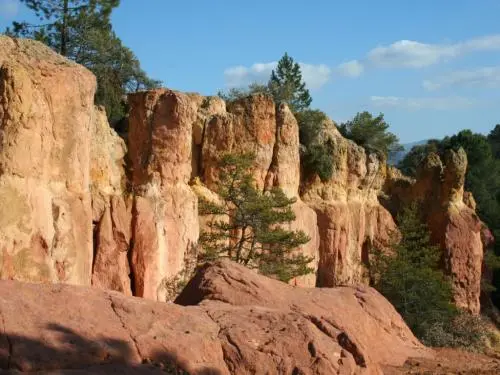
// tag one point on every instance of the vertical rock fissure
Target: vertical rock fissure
(130, 250)
(95, 241)
(274, 159)
(201, 169)
(224, 355)
(113, 307)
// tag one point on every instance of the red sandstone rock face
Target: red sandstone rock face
(46, 112)
(247, 324)
(450, 214)
(165, 214)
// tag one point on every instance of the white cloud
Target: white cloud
(239, 76)
(412, 54)
(483, 77)
(8, 8)
(315, 76)
(415, 104)
(351, 68)
(400, 54)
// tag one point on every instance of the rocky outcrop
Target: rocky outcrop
(111, 208)
(46, 114)
(71, 214)
(449, 212)
(165, 211)
(351, 220)
(246, 324)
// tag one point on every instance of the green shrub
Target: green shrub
(410, 277)
(317, 153)
(465, 331)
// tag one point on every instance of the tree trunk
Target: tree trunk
(240, 245)
(64, 29)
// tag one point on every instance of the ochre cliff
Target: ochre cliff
(450, 215)
(81, 206)
(46, 115)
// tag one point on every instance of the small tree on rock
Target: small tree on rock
(248, 228)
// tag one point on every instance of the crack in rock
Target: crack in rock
(113, 307)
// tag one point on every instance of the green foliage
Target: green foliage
(410, 277)
(240, 93)
(464, 330)
(81, 30)
(316, 152)
(371, 133)
(482, 179)
(248, 227)
(494, 139)
(286, 85)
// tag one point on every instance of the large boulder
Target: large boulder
(46, 114)
(355, 325)
(451, 217)
(244, 324)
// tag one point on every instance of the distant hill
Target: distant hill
(396, 157)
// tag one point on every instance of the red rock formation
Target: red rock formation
(46, 110)
(52, 190)
(453, 223)
(247, 324)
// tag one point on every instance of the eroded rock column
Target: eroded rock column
(165, 224)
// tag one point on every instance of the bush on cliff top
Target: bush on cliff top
(371, 133)
(247, 227)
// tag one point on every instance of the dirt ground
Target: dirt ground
(448, 362)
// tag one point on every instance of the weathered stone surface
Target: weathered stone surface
(165, 213)
(247, 324)
(350, 218)
(449, 212)
(346, 329)
(46, 112)
(248, 125)
(46, 328)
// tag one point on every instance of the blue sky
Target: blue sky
(432, 67)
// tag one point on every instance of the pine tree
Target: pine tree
(248, 225)
(410, 277)
(81, 31)
(286, 85)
